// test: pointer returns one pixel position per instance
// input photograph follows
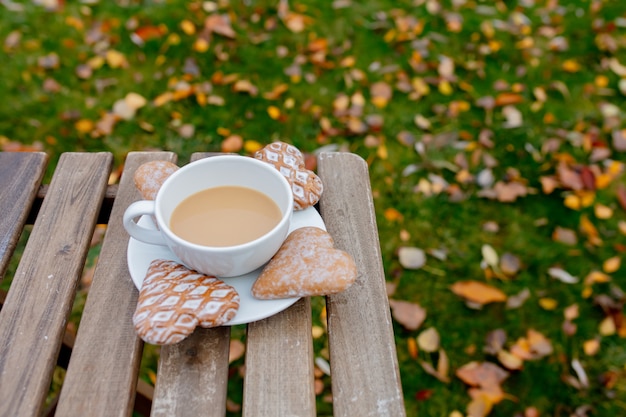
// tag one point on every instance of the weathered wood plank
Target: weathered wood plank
(33, 318)
(20, 175)
(102, 374)
(364, 366)
(192, 378)
(279, 378)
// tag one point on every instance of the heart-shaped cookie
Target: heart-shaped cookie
(306, 185)
(151, 175)
(307, 264)
(174, 300)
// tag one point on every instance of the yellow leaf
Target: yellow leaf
(509, 360)
(251, 146)
(490, 255)
(428, 340)
(494, 45)
(478, 292)
(571, 65)
(591, 347)
(597, 277)
(135, 101)
(379, 102)
(445, 88)
(84, 125)
(188, 27)
(611, 265)
(162, 99)
(381, 152)
(548, 303)
(607, 327)
(317, 332)
(95, 62)
(201, 45)
(603, 181)
(572, 201)
(602, 212)
(273, 112)
(116, 59)
(602, 81)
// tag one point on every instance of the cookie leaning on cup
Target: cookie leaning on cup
(288, 160)
(151, 175)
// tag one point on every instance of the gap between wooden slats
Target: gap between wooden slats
(20, 175)
(33, 318)
(192, 377)
(364, 366)
(102, 375)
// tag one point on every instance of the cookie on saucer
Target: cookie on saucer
(174, 300)
(307, 264)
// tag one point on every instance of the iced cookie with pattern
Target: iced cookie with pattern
(151, 175)
(306, 185)
(307, 264)
(174, 300)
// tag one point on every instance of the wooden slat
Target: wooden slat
(102, 374)
(193, 375)
(20, 175)
(364, 366)
(279, 364)
(192, 378)
(33, 318)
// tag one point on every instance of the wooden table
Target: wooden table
(101, 377)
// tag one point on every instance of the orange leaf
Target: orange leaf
(478, 292)
(392, 215)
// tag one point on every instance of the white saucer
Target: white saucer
(140, 255)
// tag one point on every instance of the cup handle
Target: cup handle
(136, 210)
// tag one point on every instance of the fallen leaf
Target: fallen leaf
(490, 256)
(428, 340)
(510, 361)
(548, 303)
(232, 144)
(481, 374)
(411, 258)
(409, 315)
(611, 265)
(219, 24)
(494, 342)
(562, 275)
(517, 300)
(478, 292)
(565, 236)
(236, 351)
(591, 347)
(510, 264)
(607, 327)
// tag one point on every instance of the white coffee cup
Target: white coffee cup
(216, 171)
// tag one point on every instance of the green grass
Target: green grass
(371, 36)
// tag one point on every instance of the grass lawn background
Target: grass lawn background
(494, 133)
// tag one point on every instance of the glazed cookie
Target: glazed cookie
(151, 175)
(307, 264)
(174, 300)
(305, 184)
